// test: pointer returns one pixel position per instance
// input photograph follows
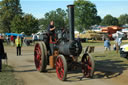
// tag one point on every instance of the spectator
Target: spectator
(114, 47)
(22, 38)
(12, 40)
(118, 43)
(34, 37)
(18, 45)
(7, 39)
(103, 37)
(107, 44)
(26, 42)
(1, 53)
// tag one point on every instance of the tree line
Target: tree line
(12, 18)
(85, 17)
(110, 20)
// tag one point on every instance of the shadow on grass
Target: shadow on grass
(6, 68)
(28, 54)
(109, 68)
(19, 71)
(100, 56)
(26, 67)
(104, 69)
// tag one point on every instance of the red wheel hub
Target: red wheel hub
(86, 66)
(37, 57)
(59, 68)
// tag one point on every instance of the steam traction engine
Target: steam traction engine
(65, 52)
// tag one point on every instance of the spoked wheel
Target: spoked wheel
(61, 67)
(40, 56)
(87, 65)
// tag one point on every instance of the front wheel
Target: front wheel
(87, 65)
(61, 67)
(40, 56)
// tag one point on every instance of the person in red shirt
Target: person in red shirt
(12, 40)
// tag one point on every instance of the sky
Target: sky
(39, 7)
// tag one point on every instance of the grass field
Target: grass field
(7, 76)
(111, 55)
(107, 57)
(101, 43)
(109, 64)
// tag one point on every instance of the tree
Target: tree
(30, 24)
(42, 24)
(109, 20)
(123, 19)
(98, 20)
(17, 24)
(8, 10)
(85, 14)
(27, 24)
(58, 16)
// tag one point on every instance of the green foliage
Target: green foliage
(98, 20)
(109, 20)
(58, 16)
(17, 24)
(9, 9)
(27, 24)
(30, 24)
(123, 19)
(85, 14)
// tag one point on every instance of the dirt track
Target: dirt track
(25, 70)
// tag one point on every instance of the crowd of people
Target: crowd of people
(11, 39)
(118, 40)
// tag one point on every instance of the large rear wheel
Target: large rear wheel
(61, 67)
(40, 56)
(87, 65)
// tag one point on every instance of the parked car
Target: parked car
(124, 51)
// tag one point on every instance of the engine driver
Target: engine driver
(51, 29)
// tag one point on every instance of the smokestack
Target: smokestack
(71, 21)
